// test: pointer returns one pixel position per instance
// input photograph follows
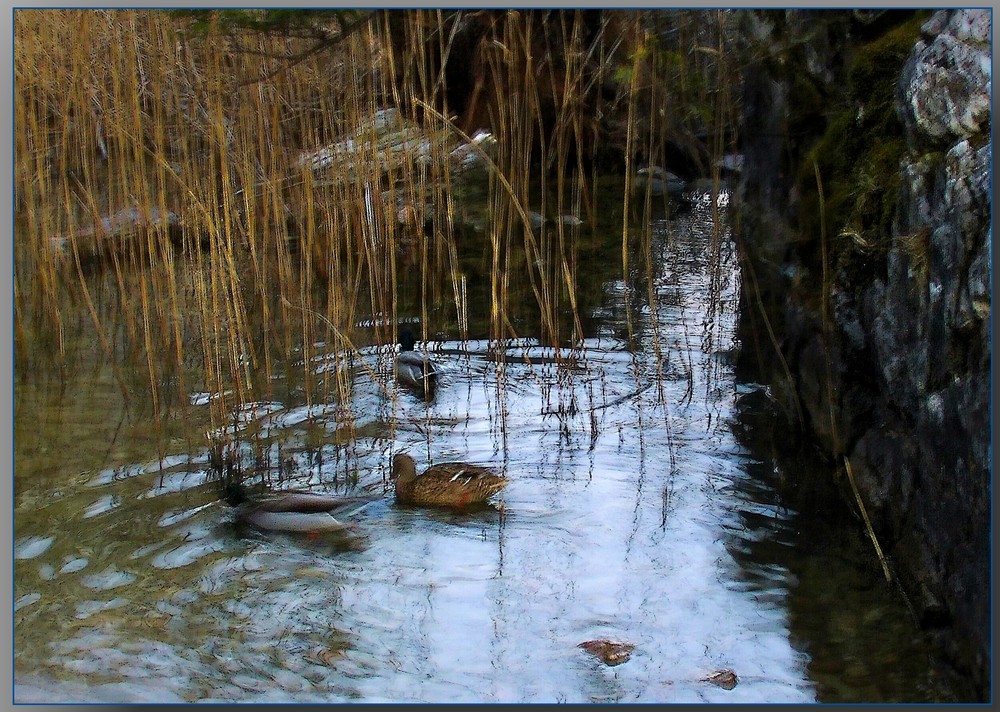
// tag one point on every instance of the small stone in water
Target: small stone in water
(726, 679)
(608, 651)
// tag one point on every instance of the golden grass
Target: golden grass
(119, 110)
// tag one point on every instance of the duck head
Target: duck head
(404, 469)
(234, 492)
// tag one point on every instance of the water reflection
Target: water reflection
(632, 514)
(862, 640)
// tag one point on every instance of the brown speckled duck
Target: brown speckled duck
(447, 484)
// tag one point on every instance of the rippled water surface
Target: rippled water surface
(633, 513)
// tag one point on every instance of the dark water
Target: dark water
(641, 507)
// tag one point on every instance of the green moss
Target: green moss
(858, 159)
(875, 71)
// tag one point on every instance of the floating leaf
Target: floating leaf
(726, 679)
(610, 652)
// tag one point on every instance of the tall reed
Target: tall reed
(253, 209)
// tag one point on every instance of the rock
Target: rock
(659, 180)
(536, 219)
(971, 25)
(732, 162)
(113, 230)
(945, 89)
(387, 133)
(908, 338)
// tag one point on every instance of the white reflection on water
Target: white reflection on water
(622, 498)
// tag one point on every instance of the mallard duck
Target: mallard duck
(447, 484)
(413, 370)
(296, 511)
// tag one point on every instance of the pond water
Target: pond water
(637, 510)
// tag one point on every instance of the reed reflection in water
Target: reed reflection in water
(624, 475)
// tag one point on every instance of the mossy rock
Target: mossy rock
(858, 160)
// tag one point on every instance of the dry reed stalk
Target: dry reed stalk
(837, 445)
(178, 122)
(868, 524)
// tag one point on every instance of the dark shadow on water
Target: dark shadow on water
(862, 639)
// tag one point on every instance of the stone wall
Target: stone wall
(884, 328)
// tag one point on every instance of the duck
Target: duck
(446, 484)
(415, 371)
(293, 511)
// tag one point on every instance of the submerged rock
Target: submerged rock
(660, 181)
(113, 230)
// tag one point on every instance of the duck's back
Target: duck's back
(417, 373)
(413, 366)
(291, 521)
(455, 484)
(309, 502)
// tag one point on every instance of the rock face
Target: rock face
(885, 348)
(945, 90)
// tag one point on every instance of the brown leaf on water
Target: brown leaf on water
(325, 655)
(609, 652)
(726, 679)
